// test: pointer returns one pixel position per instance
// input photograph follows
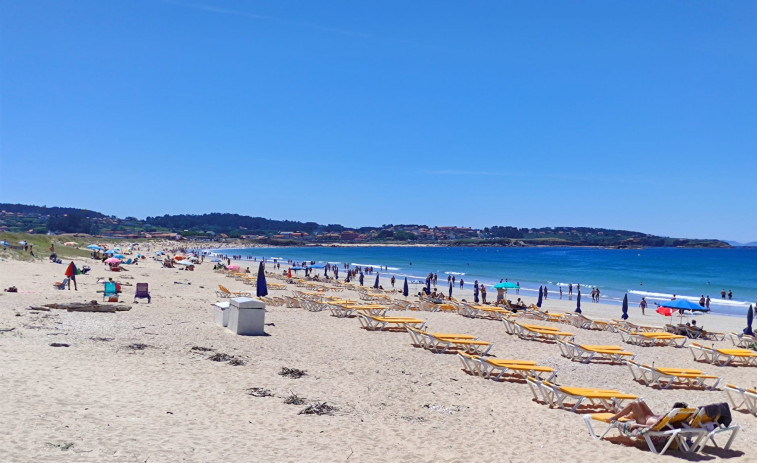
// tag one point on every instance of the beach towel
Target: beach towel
(722, 411)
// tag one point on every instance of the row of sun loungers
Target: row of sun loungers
(688, 428)
(587, 353)
(652, 338)
(664, 378)
(723, 357)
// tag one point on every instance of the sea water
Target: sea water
(654, 273)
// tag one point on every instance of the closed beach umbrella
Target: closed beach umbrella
(262, 288)
(405, 290)
(625, 307)
(450, 290)
(749, 319)
(578, 302)
(376, 284)
(336, 272)
(348, 277)
(541, 294)
(475, 293)
(428, 285)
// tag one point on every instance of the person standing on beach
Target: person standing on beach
(392, 281)
(597, 295)
(517, 290)
(483, 293)
(449, 278)
(643, 305)
(707, 302)
(461, 283)
(570, 289)
(560, 292)
(453, 279)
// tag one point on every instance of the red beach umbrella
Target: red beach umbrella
(666, 311)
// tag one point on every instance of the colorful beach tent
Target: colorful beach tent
(71, 270)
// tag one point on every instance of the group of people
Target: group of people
(723, 294)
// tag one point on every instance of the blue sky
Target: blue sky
(634, 115)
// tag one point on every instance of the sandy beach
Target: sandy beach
(138, 385)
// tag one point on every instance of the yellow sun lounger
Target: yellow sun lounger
(742, 340)
(421, 338)
(654, 338)
(586, 353)
(535, 332)
(670, 429)
(373, 323)
(712, 426)
(742, 398)
(223, 292)
(723, 357)
(557, 396)
(664, 378)
(501, 369)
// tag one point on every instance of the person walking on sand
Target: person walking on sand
(707, 302)
(546, 292)
(570, 289)
(643, 305)
(392, 281)
(71, 274)
(482, 288)
(462, 282)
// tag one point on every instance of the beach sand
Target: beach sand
(104, 399)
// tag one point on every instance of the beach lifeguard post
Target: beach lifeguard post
(247, 316)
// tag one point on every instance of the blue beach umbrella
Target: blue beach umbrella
(94, 247)
(376, 284)
(683, 304)
(262, 288)
(109, 251)
(405, 290)
(118, 256)
(749, 319)
(578, 302)
(506, 285)
(541, 294)
(625, 307)
(475, 293)
(450, 290)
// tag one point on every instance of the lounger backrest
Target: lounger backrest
(110, 287)
(675, 416)
(142, 288)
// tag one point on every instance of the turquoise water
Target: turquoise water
(656, 273)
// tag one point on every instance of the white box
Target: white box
(247, 316)
(221, 313)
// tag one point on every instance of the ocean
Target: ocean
(655, 273)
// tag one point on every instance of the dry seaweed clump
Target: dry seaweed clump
(201, 349)
(293, 373)
(294, 399)
(320, 408)
(259, 392)
(137, 346)
(221, 357)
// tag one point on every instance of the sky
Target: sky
(636, 115)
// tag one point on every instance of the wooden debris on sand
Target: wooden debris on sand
(91, 306)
